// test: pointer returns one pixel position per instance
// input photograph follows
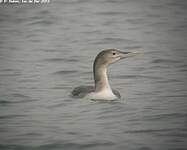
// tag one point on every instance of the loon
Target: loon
(102, 89)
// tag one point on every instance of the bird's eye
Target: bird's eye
(114, 53)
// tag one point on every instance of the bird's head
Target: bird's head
(110, 56)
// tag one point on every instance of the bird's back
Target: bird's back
(82, 91)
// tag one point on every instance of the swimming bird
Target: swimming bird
(102, 89)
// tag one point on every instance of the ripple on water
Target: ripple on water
(148, 131)
(13, 116)
(43, 18)
(165, 61)
(164, 116)
(109, 40)
(65, 72)
(111, 13)
(10, 72)
(72, 145)
(15, 147)
(15, 98)
(60, 60)
(41, 22)
(137, 77)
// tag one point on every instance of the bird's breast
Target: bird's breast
(105, 94)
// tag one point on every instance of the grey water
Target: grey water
(48, 49)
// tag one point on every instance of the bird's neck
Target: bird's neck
(101, 78)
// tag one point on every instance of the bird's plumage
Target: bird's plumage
(102, 89)
(82, 91)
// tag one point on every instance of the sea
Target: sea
(47, 49)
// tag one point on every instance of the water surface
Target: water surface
(47, 50)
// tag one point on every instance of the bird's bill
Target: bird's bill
(128, 54)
